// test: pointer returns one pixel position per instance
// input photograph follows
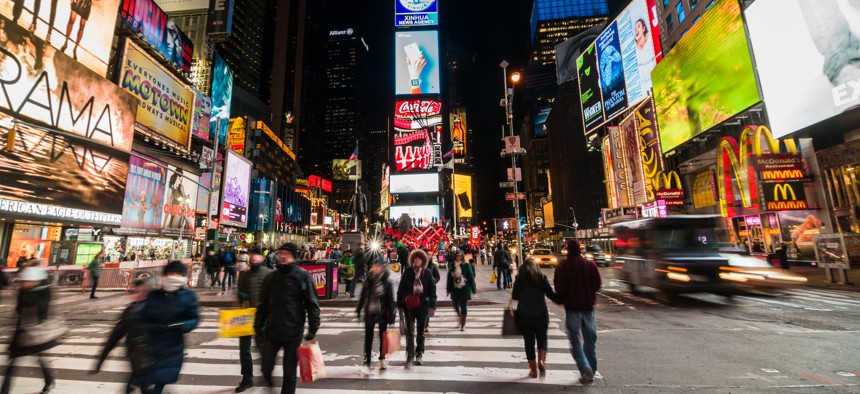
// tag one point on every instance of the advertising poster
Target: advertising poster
(410, 13)
(222, 96)
(144, 194)
(318, 272)
(589, 88)
(620, 167)
(236, 135)
(459, 131)
(386, 175)
(541, 115)
(637, 29)
(416, 62)
(415, 183)
(201, 115)
(609, 175)
(86, 40)
(236, 186)
(417, 134)
(463, 195)
(690, 90)
(632, 152)
(817, 78)
(165, 103)
(421, 215)
(568, 52)
(611, 65)
(183, 5)
(203, 192)
(159, 31)
(180, 202)
(346, 170)
(649, 147)
(220, 21)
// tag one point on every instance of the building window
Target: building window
(711, 3)
(665, 4)
(681, 13)
(670, 24)
(693, 3)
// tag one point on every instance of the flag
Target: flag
(354, 155)
(450, 153)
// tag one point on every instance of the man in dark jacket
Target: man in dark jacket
(250, 285)
(213, 267)
(416, 283)
(576, 283)
(229, 262)
(501, 263)
(287, 298)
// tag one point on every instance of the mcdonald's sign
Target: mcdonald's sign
(665, 191)
(784, 196)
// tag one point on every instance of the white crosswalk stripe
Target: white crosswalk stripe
(478, 354)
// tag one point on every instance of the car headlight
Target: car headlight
(607, 255)
(553, 259)
(589, 255)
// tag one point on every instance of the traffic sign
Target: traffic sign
(504, 185)
(510, 196)
(538, 220)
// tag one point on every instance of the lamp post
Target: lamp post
(509, 118)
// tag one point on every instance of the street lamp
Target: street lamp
(515, 77)
(509, 114)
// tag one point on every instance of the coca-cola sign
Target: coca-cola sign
(417, 108)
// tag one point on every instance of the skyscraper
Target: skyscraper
(554, 21)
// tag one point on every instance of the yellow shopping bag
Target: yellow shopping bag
(492, 277)
(234, 323)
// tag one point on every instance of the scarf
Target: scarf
(458, 275)
(417, 285)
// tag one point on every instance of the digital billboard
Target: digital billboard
(144, 193)
(416, 114)
(201, 115)
(814, 78)
(346, 170)
(86, 39)
(159, 31)
(569, 51)
(415, 183)
(690, 90)
(459, 131)
(589, 88)
(165, 103)
(236, 135)
(220, 21)
(411, 13)
(540, 117)
(611, 68)
(463, 195)
(183, 5)
(236, 186)
(222, 96)
(422, 215)
(416, 62)
(180, 202)
(639, 33)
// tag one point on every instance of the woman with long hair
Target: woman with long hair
(531, 290)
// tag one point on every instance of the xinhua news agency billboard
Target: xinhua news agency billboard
(408, 13)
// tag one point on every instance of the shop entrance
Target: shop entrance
(758, 234)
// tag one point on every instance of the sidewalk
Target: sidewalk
(816, 278)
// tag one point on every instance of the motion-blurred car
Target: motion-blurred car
(757, 273)
(595, 254)
(544, 258)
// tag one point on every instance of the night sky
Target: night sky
(481, 35)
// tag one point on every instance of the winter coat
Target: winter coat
(577, 281)
(407, 282)
(96, 265)
(161, 311)
(212, 263)
(360, 261)
(501, 259)
(32, 308)
(468, 276)
(386, 301)
(228, 259)
(287, 299)
(532, 299)
(271, 260)
(138, 344)
(434, 270)
(251, 285)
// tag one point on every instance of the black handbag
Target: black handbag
(509, 324)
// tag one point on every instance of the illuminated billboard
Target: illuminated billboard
(417, 134)
(611, 69)
(422, 215)
(180, 202)
(346, 170)
(86, 39)
(589, 88)
(541, 115)
(411, 13)
(459, 131)
(639, 34)
(183, 5)
(201, 115)
(814, 78)
(236, 185)
(159, 31)
(165, 103)
(463, 195)
(415, 183)
(416, 62)
(690, 90)
(222, 96)
(144, 194)
(416, 114)
(236, 135)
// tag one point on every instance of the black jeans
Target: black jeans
(291, 363)
(245, 358)
(10, 369)
(501, 278)
(213, 279)
(95, 284)
(534, 330)
(370, 323)
(416, 317)
(229, 273)
(460, 305)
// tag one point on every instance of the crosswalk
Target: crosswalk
(479, 355)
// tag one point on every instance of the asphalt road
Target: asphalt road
(800, 341)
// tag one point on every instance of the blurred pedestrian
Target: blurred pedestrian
(376, 304)
(531, 290)
(34, 297)
(433, 269)
(229, 263)
(171, 311)
(577, 281)
(501, 263)
(416, 296)
(347, 272)
(287, 299)
(213, 268)
(131, 326)
(95, 269)
(248, 290)
(461, 285)
(242, 262)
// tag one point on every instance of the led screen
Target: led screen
(806, 67)
(639, 34)
(180, 202)
(415, 183)
(222, 95)
(159, 31)
(611, 69)
(416, 13)
(463, 195)
(236, 185)
(201, 115)
(144, 196)
(589, 88)
(459, 131)
(416, 62)
(422, 215)
(692, 92)
(541, 115)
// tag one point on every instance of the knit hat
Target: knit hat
(174, 267)
(290, 247)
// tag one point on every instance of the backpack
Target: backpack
(228, 258)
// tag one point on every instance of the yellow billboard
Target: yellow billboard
(463, 195)
(236, 135)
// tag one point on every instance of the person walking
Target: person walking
(501, 263)
(130, 326)
(229, 278)
(213, 268)
(288, 298)
(433, 270)
(461, 285)
(577, 281)
(376, 304)
(248, 292)
(531, 290)
(171, 312)
(416, 296)
(34, 297)
(242, 260)
(95, 269)
(347, 271)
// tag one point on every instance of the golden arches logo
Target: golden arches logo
(736, 156)
(665, 179)
(783, 189)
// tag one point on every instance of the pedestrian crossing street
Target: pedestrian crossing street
(480, 355)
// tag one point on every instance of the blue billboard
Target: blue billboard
(541, 115)
(222, 95)
(417, 62)
(416, 13)
(611, 66)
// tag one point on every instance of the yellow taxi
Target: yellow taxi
(543, 257)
